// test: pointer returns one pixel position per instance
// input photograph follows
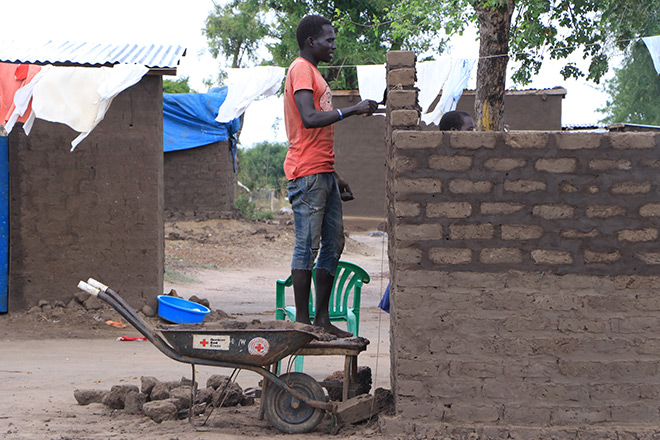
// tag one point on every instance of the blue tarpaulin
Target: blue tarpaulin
(189, 120)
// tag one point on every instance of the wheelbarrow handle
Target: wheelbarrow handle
(99, 285)
(88, 288)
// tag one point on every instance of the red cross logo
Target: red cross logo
(204, 342)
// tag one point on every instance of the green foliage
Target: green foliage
(236, 30)
(250, 210)
(260, 167)
(634, 90)
(177, 86)
(363, 33)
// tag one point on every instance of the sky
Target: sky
(181, 22)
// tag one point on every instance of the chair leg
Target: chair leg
(298, 363)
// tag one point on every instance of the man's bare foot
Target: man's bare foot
(329, 328)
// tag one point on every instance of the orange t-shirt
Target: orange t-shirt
(311, 150)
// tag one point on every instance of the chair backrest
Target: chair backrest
(349, 279)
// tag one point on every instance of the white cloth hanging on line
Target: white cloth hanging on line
(452, 89)
(244, 86)
(372, 81)
(76, 96)
(653, 45)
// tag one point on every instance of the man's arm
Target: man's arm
(312, 118)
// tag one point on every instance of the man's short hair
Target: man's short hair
(310, 26)
(452, 120)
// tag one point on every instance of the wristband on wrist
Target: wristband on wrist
(341, 115)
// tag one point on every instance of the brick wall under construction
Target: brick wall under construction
(524, 278)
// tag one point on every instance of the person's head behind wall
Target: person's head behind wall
(457, 121)
(310, 26)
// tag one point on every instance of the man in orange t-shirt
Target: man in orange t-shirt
(314, 187)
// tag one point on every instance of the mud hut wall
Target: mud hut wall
(199, 183)
(94, 212)
(524, 278)
(360, 158)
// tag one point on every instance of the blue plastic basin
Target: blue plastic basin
(181, 311)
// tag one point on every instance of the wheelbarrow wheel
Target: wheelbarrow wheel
(288, 414)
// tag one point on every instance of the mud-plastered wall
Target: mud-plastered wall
(199, 183)
(94, 212)
(525, 296)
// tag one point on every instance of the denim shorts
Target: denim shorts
(317, 216)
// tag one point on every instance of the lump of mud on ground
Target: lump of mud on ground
(225, 393)
(334, 383)
(160, 410)
(85, 397)
(385, 401)
(217, 315)
(134, 402)
(180, 396)
(115, 398)
(203, 301)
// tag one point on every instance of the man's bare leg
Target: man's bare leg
(324, 283)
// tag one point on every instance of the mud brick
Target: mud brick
(650, 258)
(605, 211)
(426, 231)
(541, 256)
(450, 255)
(523, 414)
(404, 118)
(408, 255)
(608, 164)
(504, 164)
(407, 209)
(401, 58)
(404, 164)
(500, 208)
(568, 187)
(403, 139)
(630, 188)
(473, 140)
(521, 232)
(601, 257)
(580, 415)
(450, 163)
(623, 141)
(526, 140)
(465, 186)
(650, 210)
(575, 234)
(471, 232)
(472, 413)
(402, 99)
(501, 256)
(578, 141)
(449, 209)
(524, 186)
(638, 235)
(553, 211)
(413, 186)
(558, 165)
(401, 77)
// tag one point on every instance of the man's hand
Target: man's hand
(344, 190)
(365, 107)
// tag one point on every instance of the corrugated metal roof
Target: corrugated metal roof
(72, 53)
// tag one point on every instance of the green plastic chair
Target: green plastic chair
(344, 299)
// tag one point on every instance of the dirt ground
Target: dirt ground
(54, 349)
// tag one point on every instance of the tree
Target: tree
(236, 30)
(363, 36)
(261, 166)
(634, 90)
(177, 86)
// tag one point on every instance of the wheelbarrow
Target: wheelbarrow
(295, 404)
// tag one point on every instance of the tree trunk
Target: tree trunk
(494, 26)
